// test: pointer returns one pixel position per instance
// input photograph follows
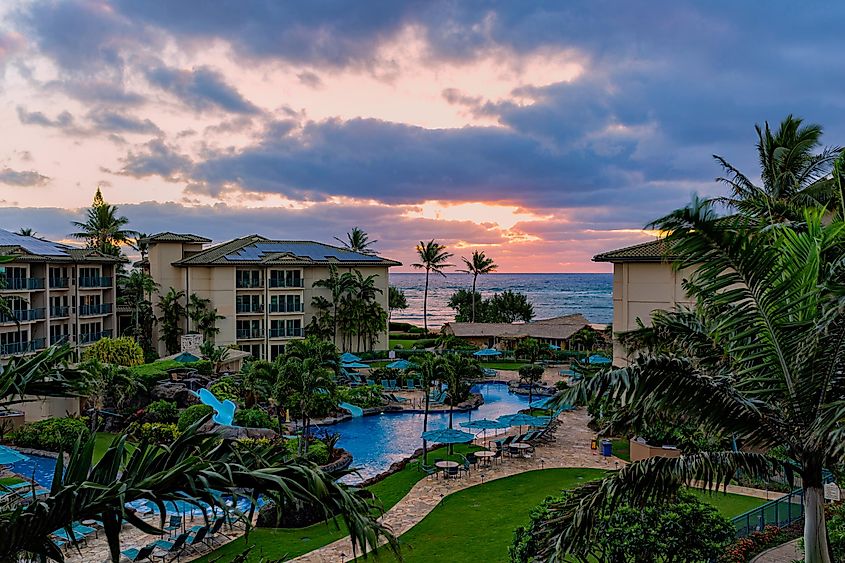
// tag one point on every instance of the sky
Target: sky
(542, 133)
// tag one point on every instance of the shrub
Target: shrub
(252, 418)
(51, 434)
(153, 432)
(836, 532)
(366, 396)
(192, 414)
(225, 388)
(123, 351)
(162, 411)
(150, 374)
(203, 367)
(318, 453)
(424, 343)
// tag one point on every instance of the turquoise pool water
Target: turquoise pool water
(37, 467)
(375, 442)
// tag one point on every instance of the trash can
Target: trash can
(606, 448)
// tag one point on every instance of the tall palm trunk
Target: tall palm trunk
(425, 302)
(816, 548)
(451, 409)
(474, 279)
(425, 426)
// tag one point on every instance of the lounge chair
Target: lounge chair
(78, 533)
(393, 386)
(197, 538)
(215, 531)
(385, 385)
(174, 524)
(172, 547)
(409, 385)
(396, 399)
(371, 382)
(136, 554)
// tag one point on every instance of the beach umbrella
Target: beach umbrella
(554, 347)
(401, 364)
(448, 436)
(541, 403)
(186, 358)
(487, 352)
(8, 456)
(522, 419)
(596, 359)
(348, 358)
(355, 365)
(484, 424)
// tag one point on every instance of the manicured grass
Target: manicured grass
(504, 364)
(273, 544)
(477, 524)
(621, 448)
(10, 480)
(728, 504)
(392, 343)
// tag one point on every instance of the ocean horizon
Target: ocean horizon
(551, 295)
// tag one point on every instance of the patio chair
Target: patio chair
(172, 547)
(215, 531)
(465, 466)
(371, 382)
(429, 470)
(409, 385)
(136, 554)
(198, 538)
(78, 533)
(393, 386)
(174, 524)
(385, 385)
(397, 399)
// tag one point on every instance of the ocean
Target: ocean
(551, 294)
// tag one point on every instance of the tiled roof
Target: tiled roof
(559, 328)
(32, 249)
(167, 236)
(654, 251)
(258, 250)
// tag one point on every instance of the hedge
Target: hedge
(51, 434)
(192, 414)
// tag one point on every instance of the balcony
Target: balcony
(282, 333)
(59, 311)
(95, 310)
(22, 284)
(95, 282)
(248, 283)
(283, 283)
(23, 315)
(23, 347)
(89, 337)
(249, 333)
(245, 308)
(285, 308)
(59, 283)
(59, 339)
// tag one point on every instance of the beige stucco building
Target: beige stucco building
(264, 288)
(643, 281)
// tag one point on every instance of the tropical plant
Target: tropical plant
(305, 383)
(51, 434)
(215, 354)
(531, 349)
(758, 359)
(509, 307)
(107, 385)
(458, 371)
(172, 312)
(479, 264)
(193, 468)
(192, 415)
(136, 291)
(396, 300)
(252, 418)
(337, 284)
(428, 368)
(466, 303)
(795, 174)
(26, 232)
(162, 411)
(433, 257)
(102, 229)
(322, 350)
(357, 240)
(257, 378)
(531, 374)
(122, 351)
(142, 244)
(43, 374)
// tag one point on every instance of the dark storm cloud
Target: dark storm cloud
(201, 89)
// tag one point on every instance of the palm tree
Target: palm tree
(309, 379)
(103, 229)
(207, 324)
(320, 349)
(433, 258)
(794, 169)
(338, 284)
(759, 359)
(458, 370)
(26, 232)
(395, 300)
(142, 244)
(172, 313)
(479, 264)
(136, 289)
(429, 368)
(196, 308)
(357, 240)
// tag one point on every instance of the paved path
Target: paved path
(571, 449)
(786, 553)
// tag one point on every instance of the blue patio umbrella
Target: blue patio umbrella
(554, 347)
(355, 365)
(348, 358)
(8, 456)
(596, 359)
(401, 364)
(522, 419)
(448, 436)
(540, 403)
(487, 352)
(484, 424)
(186, 358)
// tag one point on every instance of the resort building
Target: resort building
(58, 293)
(643, 281)
(263, 288)
(556, 331)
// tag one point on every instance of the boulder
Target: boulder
(177, 392)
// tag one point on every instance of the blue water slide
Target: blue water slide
(224, 412)
(353, 410)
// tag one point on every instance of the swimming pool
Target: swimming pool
(375, 442)
(38, 467)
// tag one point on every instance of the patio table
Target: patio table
(485, 457)
(446, 466)
(520, 449)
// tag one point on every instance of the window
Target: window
(253, 349)
(276, 350)
(247, 278)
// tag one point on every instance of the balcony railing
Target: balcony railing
(59, 283)
(93, 310)
(249, 308)
(283, 333)
(22, 347)
(88, 337)
(281, 282)
(248, 283)
(59, 311)
(22, 284)
(23, 315)
(58, 339)
(96, 281)
(249, 333)
(286, 308)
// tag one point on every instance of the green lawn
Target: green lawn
(406, 344)
(621, 448)
(10, 480)
(728, 504)
(504, 364)
(275, 544)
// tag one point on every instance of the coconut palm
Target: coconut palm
(429, 368)
(433, 258)
(357, 240)
(308, 379)
(26, 232)
(396, 300)
(759, 358)
(136, 289)
(338, 284)
(142, 244)
(103, 229)
(478, 265)
(322, 350)
(172, 312)
(794, 169)
(458, 370)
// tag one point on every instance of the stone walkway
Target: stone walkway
(571, 449)
(786, 553)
